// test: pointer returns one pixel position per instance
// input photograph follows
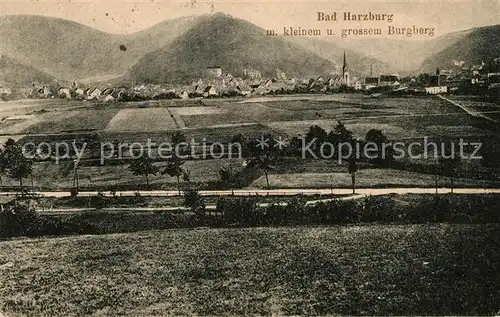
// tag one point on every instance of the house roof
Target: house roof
(255, 83)
(244, 87)
(200, 87)
(336, 78)
(261, 87)
(108, 91)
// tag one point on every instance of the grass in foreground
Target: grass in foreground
(380, 270)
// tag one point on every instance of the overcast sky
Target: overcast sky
(127, 16)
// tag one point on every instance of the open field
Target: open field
(221, 133)
(488, 109)
(18, 123)
(154, 119)
(191, 111)
(30, 105)
(364, 178)
(296, 128)
(397, 117)
(63, 121)
(367, 270)
(394, 127)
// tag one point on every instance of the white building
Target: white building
(214, 71)
(64, 92)
(436, 90)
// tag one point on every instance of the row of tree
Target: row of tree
(266, 158)
(262, 157)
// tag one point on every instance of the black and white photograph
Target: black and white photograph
(249, 158)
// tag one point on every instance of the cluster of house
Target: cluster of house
(224, 86)
(217, 84)
(76, 92)
(459, 77)
(462, 76)
(220, 84)
(228, 85)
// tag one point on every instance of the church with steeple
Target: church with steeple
(346, 79)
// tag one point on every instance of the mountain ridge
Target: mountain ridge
(232, 43)
(476, 46)
(71, 51)
(14, 73)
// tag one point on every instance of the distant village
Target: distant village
(462, 78)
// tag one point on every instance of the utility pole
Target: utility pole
(231, 176)
(436, 175)
(331, 184)
(75, 174)
(466, 168)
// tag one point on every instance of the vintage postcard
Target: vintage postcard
(249, 158)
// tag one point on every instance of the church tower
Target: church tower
(346, 80)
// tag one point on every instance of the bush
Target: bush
(98, 201)
(191, 198)
(435, 209)
(194, 200)
(137, 199)
(19, 220)
(240, 211)
(378, 209)
(71, 226)
(336, 212)
(292, 214)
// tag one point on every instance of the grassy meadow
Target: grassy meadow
(355, 270)
(365, 178)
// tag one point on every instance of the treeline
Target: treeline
(21, 220)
